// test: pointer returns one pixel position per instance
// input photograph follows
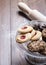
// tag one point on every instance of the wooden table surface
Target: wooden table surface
(9, 19)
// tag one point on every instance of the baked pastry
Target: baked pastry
(44, 51)
(39, 25)
(36, 26)
(25, 29)
(23, 37)
(44, 35)
(32, 33)
(42, 25)
(36, 36)
(36, 46)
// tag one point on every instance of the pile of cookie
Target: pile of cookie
(29, 33)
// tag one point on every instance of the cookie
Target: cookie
(25, 29)
(36, 46)
(44, 52)
(32, 33)
(44, 35)
(42, 25)
(36, 36)
(23, 37)
(39, 25)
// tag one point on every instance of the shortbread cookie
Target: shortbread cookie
(36, 36)
(25, 29)
(23, 37)
(32, 33)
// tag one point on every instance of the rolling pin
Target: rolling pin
(32, 14)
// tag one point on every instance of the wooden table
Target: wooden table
(9, 19)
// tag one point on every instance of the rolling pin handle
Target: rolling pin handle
(24, 7)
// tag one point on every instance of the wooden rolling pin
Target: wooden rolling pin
(32, 14)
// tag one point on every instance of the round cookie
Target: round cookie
(25, 29)
(32, 33)
(44, 52)
(23, 37)
(44, 35)
(36, 46)
(36, 36)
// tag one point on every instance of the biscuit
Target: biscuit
(44, 52)
(32, 33)
(44, 34)
(36, 36)
(23, 37)
(25, 29)
(36, 46)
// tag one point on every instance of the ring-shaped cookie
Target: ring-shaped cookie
(32, 33)
(23, 37)
(36, 36)
(25, 29)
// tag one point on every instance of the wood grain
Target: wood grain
(5, 32)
